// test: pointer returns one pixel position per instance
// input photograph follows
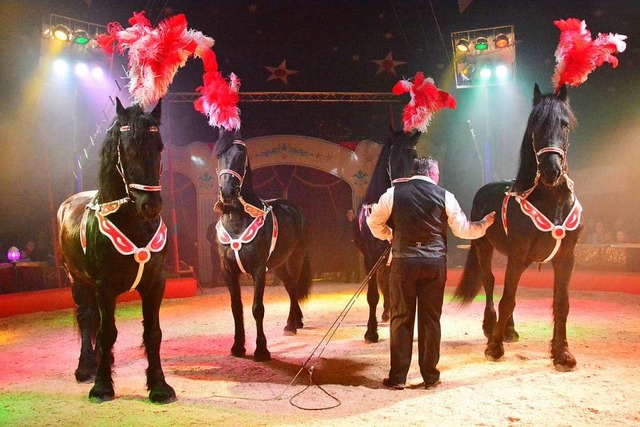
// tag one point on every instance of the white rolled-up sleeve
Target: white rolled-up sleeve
(458, 222)
(380, 213)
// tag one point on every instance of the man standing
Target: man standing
(420, 212)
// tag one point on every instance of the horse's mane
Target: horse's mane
(137, 137)
(548, 109)
(379, 178)
(224, 142)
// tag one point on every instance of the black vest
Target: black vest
(420, 219)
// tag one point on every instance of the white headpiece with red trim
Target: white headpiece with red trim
(426, 99)
(156, 54)
(577, 54)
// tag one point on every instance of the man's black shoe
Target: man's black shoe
(432, 385)
(396, 386)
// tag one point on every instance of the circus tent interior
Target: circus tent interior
(316, 106)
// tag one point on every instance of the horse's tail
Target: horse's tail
(304, 282)
(471, 280)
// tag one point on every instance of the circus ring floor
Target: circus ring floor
(38, 353)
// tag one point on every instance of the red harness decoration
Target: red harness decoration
(121, 242)
(365, 213)
(544, 224)
(247, 236)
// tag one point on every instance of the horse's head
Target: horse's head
(402, 152)
(233, 162)
(548, 128)
(131, 160)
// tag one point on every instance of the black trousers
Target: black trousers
(415, 283)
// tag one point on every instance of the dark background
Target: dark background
(45, 125)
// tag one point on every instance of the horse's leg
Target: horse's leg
(261, 354)
(563, 360)
(495, 347)
(107, 334)
(233, 284)
(294, 320)
(373, 297)
(87, 317)
(383, 286)
(484, 253)
(159, 390)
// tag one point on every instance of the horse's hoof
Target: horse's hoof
(371, 337)
(511, 336)
(566, 363)
(385, 316)
(238, 351)
(299, 324)
(290, 330)
(162, 394)
(101, 394)
(563, 368)
(262, 355)
(85, 375)
(494, 352)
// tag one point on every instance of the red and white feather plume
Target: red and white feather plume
(156, 54)
(577, 54)
(426, 99)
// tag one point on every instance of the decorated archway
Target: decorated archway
(195, 161)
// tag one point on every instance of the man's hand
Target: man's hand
(489, 218)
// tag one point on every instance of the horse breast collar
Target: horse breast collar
(119, 240)
(247, 235)
(542, 223)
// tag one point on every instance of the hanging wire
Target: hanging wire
(424, 33)
(404, 36)
(435, 18)
(160, 12)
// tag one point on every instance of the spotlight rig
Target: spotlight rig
(484, 57)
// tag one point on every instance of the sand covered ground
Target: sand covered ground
(38, 354)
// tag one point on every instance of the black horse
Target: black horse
(541, 221)
(394, 162)
(256, 235)
(113, 240)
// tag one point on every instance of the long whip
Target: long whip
(325, 339)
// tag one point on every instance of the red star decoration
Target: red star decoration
(280, 72)
(387, 64)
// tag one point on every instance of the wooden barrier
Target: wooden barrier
(60, 298)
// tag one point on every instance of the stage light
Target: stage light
(13, 254)
(81, 69)
(81, 37)
(60, 67)
(61, 32)
(489, 59)
(482, 43)
(501, 71)
(485, 72)
(501, 41)
(467, 72)
(97, 72)
(463, 45)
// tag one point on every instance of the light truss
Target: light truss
(352, 97)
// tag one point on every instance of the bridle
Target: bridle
(234, 173)
(252, 210)
(127, 186)
(561, 151)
